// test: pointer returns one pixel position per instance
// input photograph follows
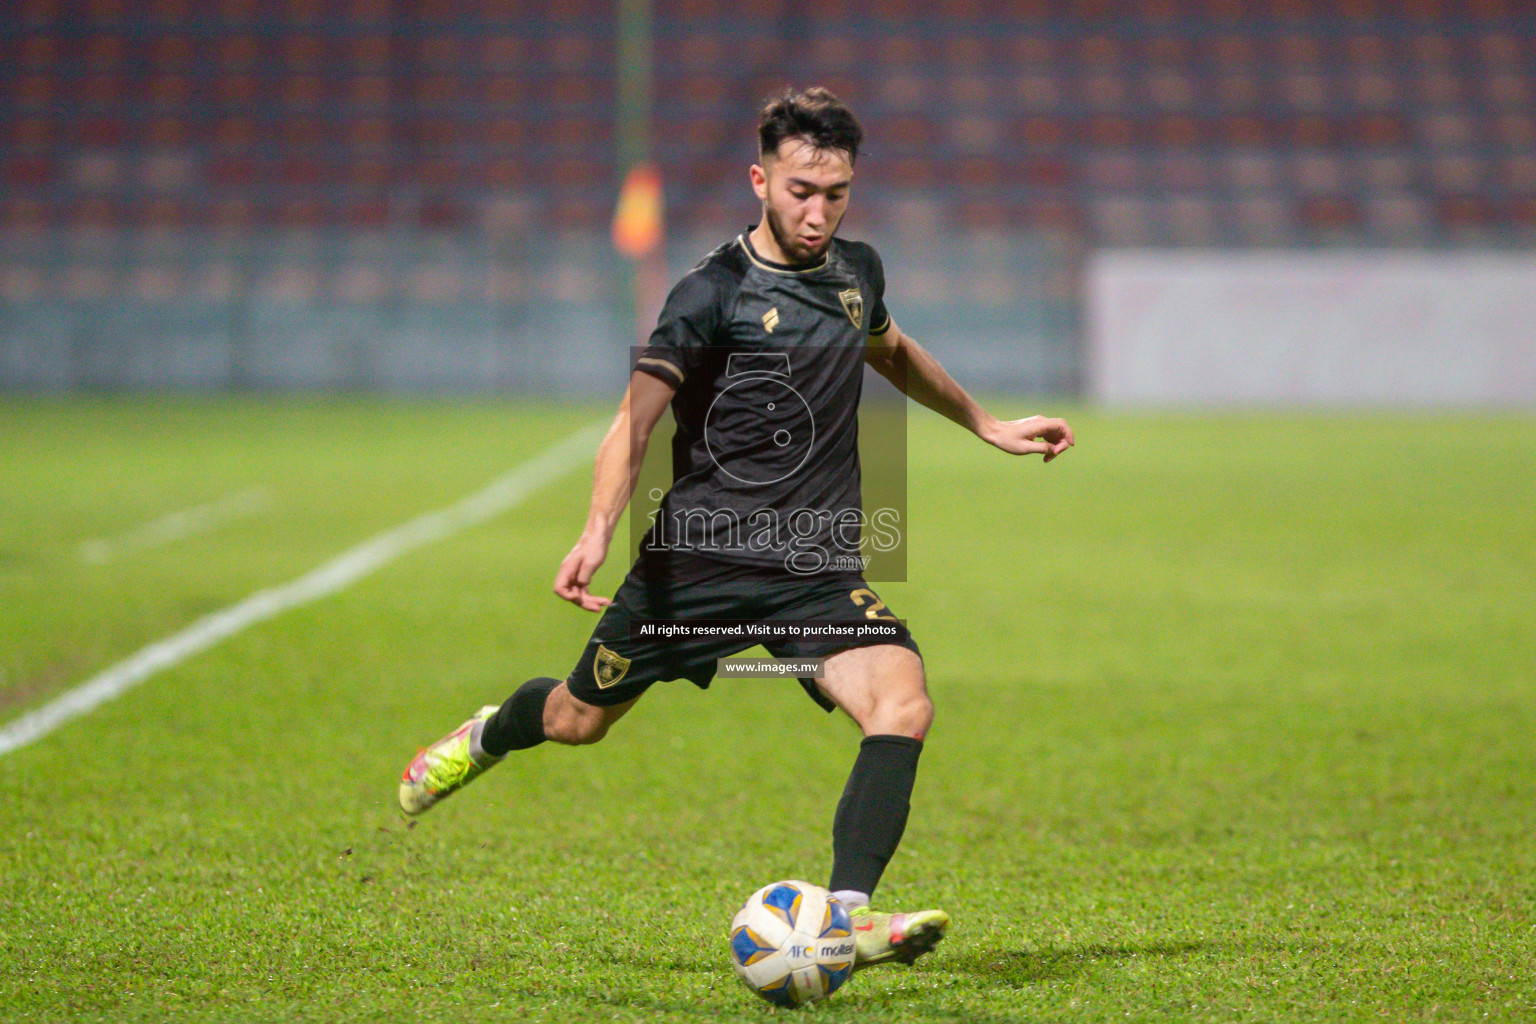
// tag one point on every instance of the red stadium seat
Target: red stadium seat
(302, 211)
(1319, 172)
(962, 53)
(909, 172)
(1107, 171)
(232, 215)
(436, 93)
(1103, 89)
(27, 172)
(25, 213)
(1037, 91)
(38, 52)
(1396, 214)
(1371, 87)
(35, 91)
(1251, 171)
(439, 54)
(1517, 172)
(106, 52)
(1168, 50)
(1469, 211)
(442, 213)
(100, 171)
(984, 214)
(237, 53)
(368, 133)
(1522, 210)
(578, 214)
(1447, 129)
(1306, 89)
(1100, 51)
(100, 131)
(1388, 171)
(1264, 220)
(1313, 131)
(369, 92)
(1112, 130)
(1459, 173)
(1236, 89)
(1330, 213)
(1183, 173)
(28, 134)
(1041, 133)
(1192, 220)
(1053, 213)
(1171, 89)
(1378, 131)
(166, 213)
(1120, 220)
(1502, 51)
(233, 171)
(171, 53)
(1432, 47)
(1178, 131)
(1516, 131)
(897, 52)
(237, 90)
(369, 52)
(303, 92)
(1234, 51)
(369, 172)
(94, 213)
(1507, 89)
(301, 171)
(369, 12)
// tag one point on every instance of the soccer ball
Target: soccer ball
(792, 943)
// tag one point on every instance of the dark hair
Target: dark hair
(816, 116)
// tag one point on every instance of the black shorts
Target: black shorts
(617, 667)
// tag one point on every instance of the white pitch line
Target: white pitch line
(347, 568)
(174, 526)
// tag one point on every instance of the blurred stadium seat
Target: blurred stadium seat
(489, 122)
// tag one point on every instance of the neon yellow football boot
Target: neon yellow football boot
(895, 938)
(445, 766)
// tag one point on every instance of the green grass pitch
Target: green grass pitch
(1235, 723)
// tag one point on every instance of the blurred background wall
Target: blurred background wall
(416, 194)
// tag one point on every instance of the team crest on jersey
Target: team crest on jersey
(609, 668)
(853, 303)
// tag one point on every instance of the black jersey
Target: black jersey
(768, 364)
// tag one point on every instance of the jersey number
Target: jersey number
(864, 596)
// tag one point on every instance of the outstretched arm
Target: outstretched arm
(613, 481)
(908, 365)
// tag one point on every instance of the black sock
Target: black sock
(519, 724)
(872, 814)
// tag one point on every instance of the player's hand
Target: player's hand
(1032, 435)
(576, 573)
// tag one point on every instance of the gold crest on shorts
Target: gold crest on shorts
(853, 304)
(609, 668)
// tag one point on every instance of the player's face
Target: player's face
(805, 194)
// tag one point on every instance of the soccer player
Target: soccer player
(759, 351)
